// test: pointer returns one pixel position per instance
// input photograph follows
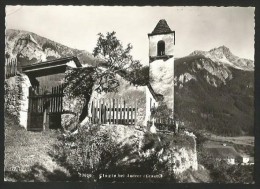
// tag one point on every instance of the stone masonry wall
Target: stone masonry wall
(16, 97)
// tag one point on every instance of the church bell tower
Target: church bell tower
(161, 42)
(161, 61)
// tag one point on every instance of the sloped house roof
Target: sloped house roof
(50, 73)
(50, 67)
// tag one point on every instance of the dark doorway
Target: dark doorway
(161, 48)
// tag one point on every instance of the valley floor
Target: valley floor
(241, 140)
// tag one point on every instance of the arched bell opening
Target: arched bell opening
(161, 48)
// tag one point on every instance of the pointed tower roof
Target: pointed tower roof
(161, 28)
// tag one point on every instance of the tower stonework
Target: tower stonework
(161, 61)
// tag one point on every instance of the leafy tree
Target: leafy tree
(115, 60)
(139, 75)
(162, 111)
(103, 78)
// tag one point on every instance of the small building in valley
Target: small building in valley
(228, 154)
(243, 159)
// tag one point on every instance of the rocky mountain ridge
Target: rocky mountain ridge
(31, 48)
(223, 55)
(213, 96)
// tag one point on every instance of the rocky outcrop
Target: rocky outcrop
(51, 54)
(181, 159)
(72, 108)
(124, 134)
(16, 97)
(178, 156)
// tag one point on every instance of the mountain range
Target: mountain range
(214, 90)
(214, 96)
(31, 48)
(224, 56)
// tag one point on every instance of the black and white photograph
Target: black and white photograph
(129, 94)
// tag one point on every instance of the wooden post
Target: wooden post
(116, 111)
(54, 100)
(36, 101)
(56, 97)
(109, 111)
(99, 112)
(132, 122)
(124, 110)
(48, 117)
(15, 71)
(41, 102)
(10, 64)
(11, 67)
(51, 101)
(29, 109)
(120, 113)
(127, 122)
(95, 111)
(113, 111)
(105, 113)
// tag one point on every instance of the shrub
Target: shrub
(93, 152)
(84, 152)
(49, 45)
(162, 111)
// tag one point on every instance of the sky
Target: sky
(196, 28)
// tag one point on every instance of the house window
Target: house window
(161, 48)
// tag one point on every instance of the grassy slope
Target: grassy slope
(26, 154)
